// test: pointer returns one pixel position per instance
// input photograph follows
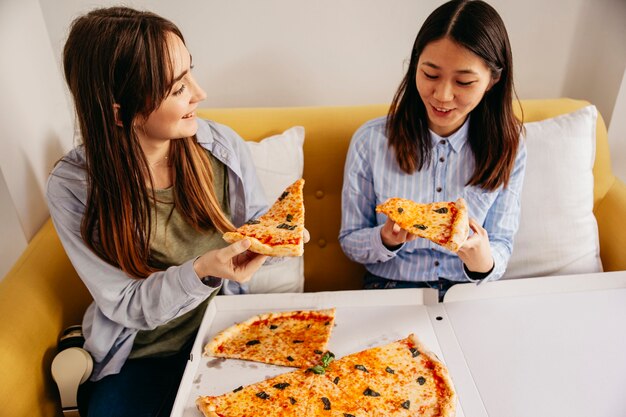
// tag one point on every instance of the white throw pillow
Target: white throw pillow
(558, 233)
(279, 161)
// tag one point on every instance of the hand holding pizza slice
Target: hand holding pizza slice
(444, 223)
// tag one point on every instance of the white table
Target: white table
(537, 347)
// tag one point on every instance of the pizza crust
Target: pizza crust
(257, 246)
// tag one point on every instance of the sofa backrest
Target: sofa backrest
(328, 131)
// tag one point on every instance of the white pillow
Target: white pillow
(558, 233)
(279, 161)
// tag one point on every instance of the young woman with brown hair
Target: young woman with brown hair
(141, 204)
(450, 132)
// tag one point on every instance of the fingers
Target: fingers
(234, 249)
(306, 236)
(396, 229)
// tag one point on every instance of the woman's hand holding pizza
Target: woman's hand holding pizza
(393, 235)
(476, 251)
(234, 262)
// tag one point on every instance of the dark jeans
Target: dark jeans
(372, 282)
(144, 388)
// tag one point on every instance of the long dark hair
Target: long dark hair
(494, 132)
(119, 56)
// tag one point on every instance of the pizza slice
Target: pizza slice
(398, 379)
(280, 231)
(445, 223)
(253, 340)
(285, 338)
(283, 395)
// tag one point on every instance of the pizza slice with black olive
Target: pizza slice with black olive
(292, 338)
(284, 395)
(400, 379)
(280, 231)
(445, 223)
(254, 340)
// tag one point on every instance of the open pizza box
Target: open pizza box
(364, 319)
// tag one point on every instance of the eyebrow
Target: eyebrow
(437, 67)
(182, 75)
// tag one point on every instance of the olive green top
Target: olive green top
(173, 241)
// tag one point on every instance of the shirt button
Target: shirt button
(436, 263)
(442, 159)
(438, 189)
(442, 141)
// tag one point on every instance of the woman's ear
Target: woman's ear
(493, 81)
(116, 114)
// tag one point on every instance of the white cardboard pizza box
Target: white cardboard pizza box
(364, 319)
(542, 347)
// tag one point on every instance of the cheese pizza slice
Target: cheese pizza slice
(295, 338)
(445, 223)
(280, 231)
(284, 395)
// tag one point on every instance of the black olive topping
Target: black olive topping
(262, 395)
(326, 402)
(327, 323)
(283, 195)
(420, 226)
(370, 393)
(442, 210)
(400, 209)
(239, 388)
(336, 380)
(273, 327)
(292, 400)
(253, 221)
(286, 226)
(317, 352)
(421, 380)
(348, 415)
(297, 341)
(406, 404)
(252, 342)
(361, 368)
(290, 359)
(289, 218)
(414, 352)
(391, 371)
(281, 385)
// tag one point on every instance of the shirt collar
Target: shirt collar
(456, 140)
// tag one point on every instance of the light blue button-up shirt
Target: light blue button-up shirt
(372, 175)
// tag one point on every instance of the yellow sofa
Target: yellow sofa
(42, 294)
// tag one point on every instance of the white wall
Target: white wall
(287, 53)
(617, 133)
(34, 115)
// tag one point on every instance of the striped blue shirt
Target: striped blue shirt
(372, 175)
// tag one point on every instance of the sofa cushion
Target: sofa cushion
(558, 233)
(279, 161)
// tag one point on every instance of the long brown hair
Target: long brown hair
(119, 56)
(494, 132)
